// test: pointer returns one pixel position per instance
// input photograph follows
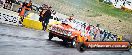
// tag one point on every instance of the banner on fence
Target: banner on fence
(121, 3)
(9, 17)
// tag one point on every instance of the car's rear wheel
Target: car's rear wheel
(73, 42)
(81, 47)
(65, 42)
(50, 36)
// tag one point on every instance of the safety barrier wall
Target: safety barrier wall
(32, 21)
(9, 17)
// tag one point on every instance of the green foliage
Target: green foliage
(101, 0)
(110, 10)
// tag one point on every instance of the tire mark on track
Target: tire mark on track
(24, 38)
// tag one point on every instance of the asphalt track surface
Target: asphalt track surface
(15, 40)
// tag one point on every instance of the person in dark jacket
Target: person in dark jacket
(47, 16)
(41, 18)
(109, 35)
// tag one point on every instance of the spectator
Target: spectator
(20, 8)
(83, 29)
(54, 15)
(12, 4)
(41, 15)
(109, 35)
(88, 28)
(44, 6)
(98, 34)
(101, 34)
(77, 26)
(84, 25)
(105, 35)
(112, 37)
(70, 21)
(71, 18)
(95, 31)
(47, 16)
(28, 8)
(115, 37)
(22, 11)
(91, 32)
(7, 4)
(1, 3)
(21, 14)
(24, 3)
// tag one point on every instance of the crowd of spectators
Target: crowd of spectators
(94, 31)
(98, 34)
(7, 4)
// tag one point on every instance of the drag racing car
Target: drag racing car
(65, 32)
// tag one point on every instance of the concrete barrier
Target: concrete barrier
(32, 21)
(9, 17)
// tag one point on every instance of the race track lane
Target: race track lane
(23, 41)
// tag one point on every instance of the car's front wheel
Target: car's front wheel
(50, 36)
(73, 43)
(81, 47)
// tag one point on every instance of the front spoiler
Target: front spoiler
(61, 35)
